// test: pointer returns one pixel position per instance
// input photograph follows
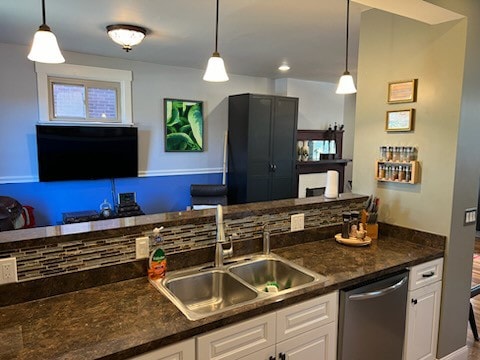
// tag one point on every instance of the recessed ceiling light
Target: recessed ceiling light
(284, 67)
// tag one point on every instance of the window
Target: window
(83, 94)
(83, 100)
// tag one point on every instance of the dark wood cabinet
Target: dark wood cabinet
(261, 147)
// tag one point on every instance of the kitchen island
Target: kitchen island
(127, 318)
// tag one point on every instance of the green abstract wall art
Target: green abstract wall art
(183, 125)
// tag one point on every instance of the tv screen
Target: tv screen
(86, 152)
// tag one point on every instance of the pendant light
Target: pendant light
(216, 67)
(126, 35)
(45, 47)
(345, 84)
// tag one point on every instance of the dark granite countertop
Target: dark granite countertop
(120, 320)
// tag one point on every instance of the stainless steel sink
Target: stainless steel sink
(205, 291)
(270, 269)
(202, 293)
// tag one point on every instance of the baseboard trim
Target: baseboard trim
(460, 354)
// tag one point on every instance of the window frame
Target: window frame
(84, 73)
(86, 84)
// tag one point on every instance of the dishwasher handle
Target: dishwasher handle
(377, 293)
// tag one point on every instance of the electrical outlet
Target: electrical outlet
(8, 270)
(470, 216)
(142, 249)
(297, 222)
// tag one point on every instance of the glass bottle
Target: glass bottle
(396, 154)
(389, 153)
(402, 154)
(381, 171)
(383, 153)
(408, 173)
(395, 173)
(401, 173)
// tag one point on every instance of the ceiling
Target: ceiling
(255, 36)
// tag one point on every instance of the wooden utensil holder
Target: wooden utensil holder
(372, 229)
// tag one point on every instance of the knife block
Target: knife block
(372, 229)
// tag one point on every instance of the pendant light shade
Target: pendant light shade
(126, 35)
(45, 47)
(216, 67)
(346, 84)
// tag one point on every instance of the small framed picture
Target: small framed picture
(399, 120)
(183, 125)
(402, 91)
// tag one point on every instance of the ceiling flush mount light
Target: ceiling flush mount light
(126, 35)
(216, 67)
(284, 67)
(346, 85)
(45, 47)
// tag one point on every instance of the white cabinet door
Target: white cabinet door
(423, 312)
(184, 350)
(305, 316)
(239, 340)
(318, 344)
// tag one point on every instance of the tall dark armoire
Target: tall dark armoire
(261, 147)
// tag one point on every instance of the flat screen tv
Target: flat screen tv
(86, 152)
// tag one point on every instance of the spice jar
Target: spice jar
(383, 153)
(381, 172)
(396, 154)
(401, 173)
(346, 225)
(389, 153)
(395, 173)
(408, 174)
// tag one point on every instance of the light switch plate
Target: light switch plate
(297, 222)
(8, 270)
(470, 216)
(142, 249)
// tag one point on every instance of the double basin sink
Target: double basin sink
(205, 291)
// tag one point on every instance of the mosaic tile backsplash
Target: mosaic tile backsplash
(37, 262)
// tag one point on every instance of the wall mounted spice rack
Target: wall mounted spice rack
(397, 164)
(397, 172)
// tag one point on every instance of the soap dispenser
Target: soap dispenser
(157, 264)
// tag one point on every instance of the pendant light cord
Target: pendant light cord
(43, 12)
(216, 30)
(346, 37)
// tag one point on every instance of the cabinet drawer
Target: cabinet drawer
(184, 350)
(306, 316)
(425, 274)
(236, 341)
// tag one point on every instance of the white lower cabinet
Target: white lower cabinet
(307, 330)
(239, 340)
(184, 350)
(318, 344)
(423, 311)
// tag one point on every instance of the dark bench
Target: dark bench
(471, 317)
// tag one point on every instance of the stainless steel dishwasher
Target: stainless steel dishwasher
(372, 319)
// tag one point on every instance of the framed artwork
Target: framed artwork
(399, 120)
(183, 125)
(402, 91)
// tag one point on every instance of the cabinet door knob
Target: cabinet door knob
(281, 356)
(414, 301)
(274, 167)
(271, 358)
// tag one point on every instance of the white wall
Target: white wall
(151, 84)
(408, 49)
(319, 106)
